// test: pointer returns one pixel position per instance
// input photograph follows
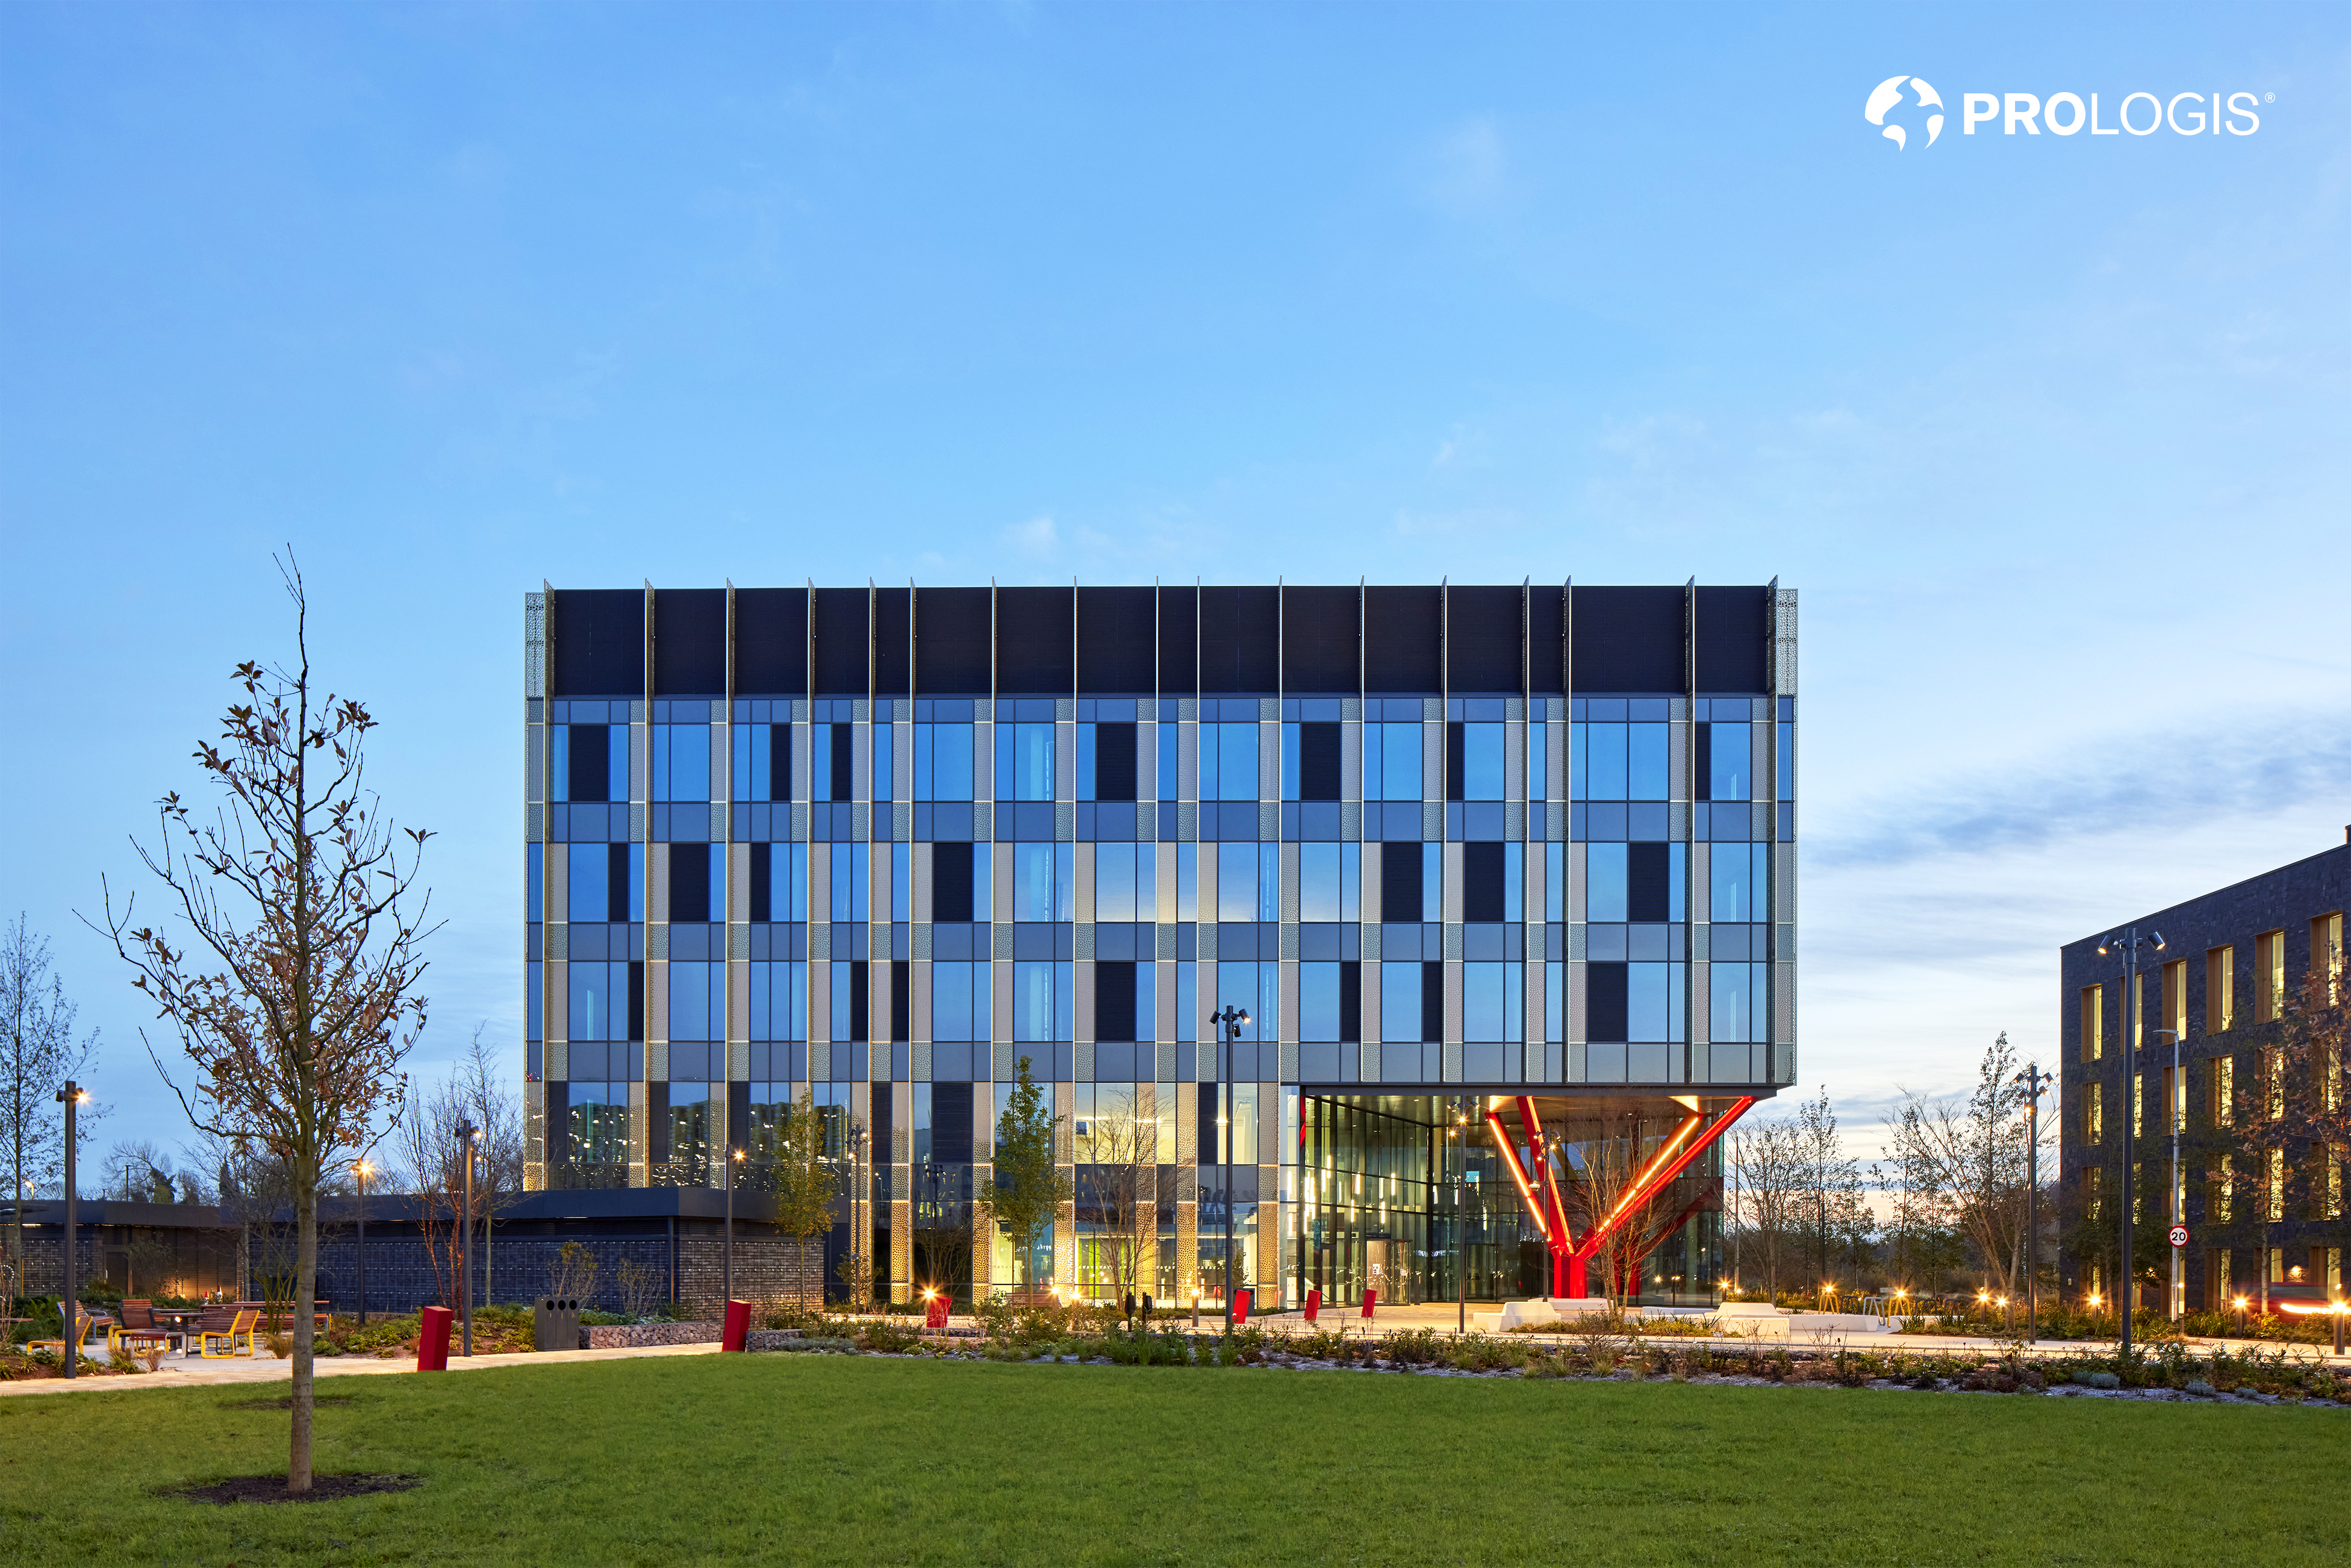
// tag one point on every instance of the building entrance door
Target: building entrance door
(1388, 1270)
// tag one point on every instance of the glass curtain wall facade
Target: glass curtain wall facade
(1446, 847)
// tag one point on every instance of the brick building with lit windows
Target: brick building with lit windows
(2232, 962)
(1504, 877)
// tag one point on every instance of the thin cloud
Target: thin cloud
(2172, 780)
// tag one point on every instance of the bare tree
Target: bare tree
(1972, 1156)
(39, 1052)
(2287, 1129)
(424, 1148)
(1920, 1247)
(1117, 1192)
(1833, 1212)
(1767, 1188)
(489, 1101)
(138, 1172)
(296, 989)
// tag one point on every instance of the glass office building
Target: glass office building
(1504, 877)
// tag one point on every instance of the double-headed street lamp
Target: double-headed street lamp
(1229, 1023)
(2129, 944)
(2036, 1084)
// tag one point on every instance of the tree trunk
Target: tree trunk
(306, 1292)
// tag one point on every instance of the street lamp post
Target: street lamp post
(69, 1311)
(466, 1134)
(2036, 1084)
(362, 1171)
(1229, 1023)
(1460, 1137)
(852, 1139)
(727, 1272)
(2129, 943)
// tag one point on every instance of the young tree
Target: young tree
(1767, 1166)
(1921, 1250)
(2288, 1127)
(37, 1052)
(1030, 1187)
(1118, 1172)
(1973, 1159)
(424, 1145)
(295, 990)
(1831, 1212)
(490, 1103)
(805, 1180)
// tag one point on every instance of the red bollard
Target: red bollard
(1371, 1300)
(739, 1324)
(433, 1339)
(1242, 1300)
(1313, 1305)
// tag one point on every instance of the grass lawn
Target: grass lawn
(868, 1462)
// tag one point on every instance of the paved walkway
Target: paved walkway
(197, 1372)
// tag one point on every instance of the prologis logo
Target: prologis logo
(1889, 93)
(2065, 113)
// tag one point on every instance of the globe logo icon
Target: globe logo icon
(1889, 93)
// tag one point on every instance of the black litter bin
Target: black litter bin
(555, 1324)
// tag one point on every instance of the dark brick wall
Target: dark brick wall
(400, 1279)
(2287, 898)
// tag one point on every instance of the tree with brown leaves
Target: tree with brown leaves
(295, 989)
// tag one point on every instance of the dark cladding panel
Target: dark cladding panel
(1734, 627)
(1482, 640)
(599, 641)
(890, 641)
(1546, 643)
(772, 642)
(1240, 640)
(951, 632)
(1179, 627)
(840, 641)
(1319, 653)
(1033, 650)
(1115, 645)
(1628, 640)
(690, 641)
(1402, 630)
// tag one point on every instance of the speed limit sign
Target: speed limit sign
(2179, 1236)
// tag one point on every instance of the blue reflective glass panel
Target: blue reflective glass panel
(587, 893)
(1603, 882)
(1730, 761)
(1645, 762)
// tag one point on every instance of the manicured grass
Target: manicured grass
(801, 1458)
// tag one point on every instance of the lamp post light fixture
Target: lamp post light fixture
(2036, 1084)
(362, 1171)
(1229, 1023)
(2129, 944)
(73, 1097)
(727, 1271)
(467, 1134)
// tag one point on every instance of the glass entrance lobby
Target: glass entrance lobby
(1402, 1192)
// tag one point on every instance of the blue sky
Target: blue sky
(2048, 430)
